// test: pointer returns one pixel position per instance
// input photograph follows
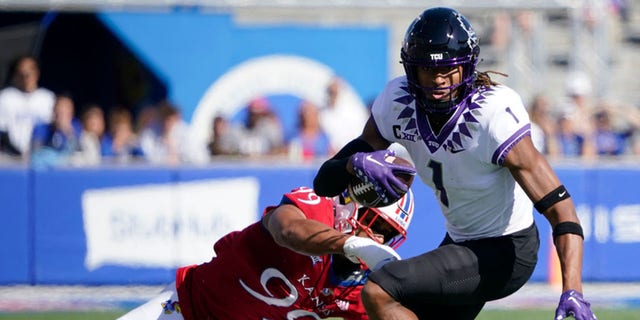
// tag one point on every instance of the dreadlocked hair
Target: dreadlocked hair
(484, 80)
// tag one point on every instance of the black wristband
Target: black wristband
(567, 227)
(332, 178)
(558, 194)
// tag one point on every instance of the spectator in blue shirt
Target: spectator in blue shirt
(121, 144)
(609, 139)
(570, 143)
(56, 142)
(310, 141)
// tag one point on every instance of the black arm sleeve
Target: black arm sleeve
(333, 177)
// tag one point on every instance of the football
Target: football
(365, 194)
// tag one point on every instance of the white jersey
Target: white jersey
(343, 122)
(21, 111)
(463, 164)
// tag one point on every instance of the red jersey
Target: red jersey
(252, 277)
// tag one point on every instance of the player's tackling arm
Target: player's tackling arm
(535, 175)
(291, 229)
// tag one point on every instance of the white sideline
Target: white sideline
(21, 298)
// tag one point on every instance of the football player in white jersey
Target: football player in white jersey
(469, 138)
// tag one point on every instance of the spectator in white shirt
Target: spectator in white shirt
(341, 120)
(23, 104)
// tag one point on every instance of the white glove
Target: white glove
(373, 254)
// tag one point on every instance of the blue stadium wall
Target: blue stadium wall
(113, 225)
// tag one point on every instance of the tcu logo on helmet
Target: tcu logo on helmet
(436, 56)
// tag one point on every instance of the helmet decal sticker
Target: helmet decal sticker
(472, 38)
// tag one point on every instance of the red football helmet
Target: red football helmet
(391, 221)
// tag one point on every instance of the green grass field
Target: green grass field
(603, 314)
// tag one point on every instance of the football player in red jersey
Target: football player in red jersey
(307, 258)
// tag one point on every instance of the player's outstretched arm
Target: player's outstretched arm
(291, 229)
(536, 177)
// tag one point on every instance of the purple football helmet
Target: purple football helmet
(440, 37)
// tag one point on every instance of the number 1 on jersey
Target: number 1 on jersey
(436, 167)
(512, 114)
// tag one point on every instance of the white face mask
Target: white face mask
(344, 214)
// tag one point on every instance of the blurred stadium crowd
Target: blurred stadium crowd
(45, 128)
